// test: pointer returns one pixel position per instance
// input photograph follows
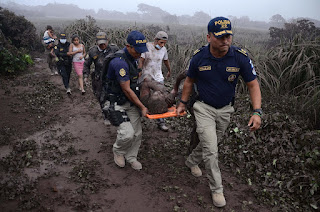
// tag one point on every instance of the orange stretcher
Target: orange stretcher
(171, 113)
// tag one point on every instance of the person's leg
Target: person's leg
(78, 67)
(206, 128)
(50, 62)
(81, 84)
(63, 73)
(194, 137)
(162, 125)
(135, 120)
(68, 71)
(196, 154)
(129, 135)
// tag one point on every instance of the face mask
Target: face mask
(63, 41)
(158, 47)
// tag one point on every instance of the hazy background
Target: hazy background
(257, 10)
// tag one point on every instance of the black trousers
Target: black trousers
(65, 71)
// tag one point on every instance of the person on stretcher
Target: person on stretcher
(154, 95)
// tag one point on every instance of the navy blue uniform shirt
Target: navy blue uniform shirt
(119, 69)
(216, 78)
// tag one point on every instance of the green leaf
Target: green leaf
(274, 162)
(314, 206)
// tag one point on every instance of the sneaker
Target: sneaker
(119, 160)
(195, 170)
(218, 200)
(163, 127)
(56, 73)
(83, 92)
(136, 165)
(69, 91)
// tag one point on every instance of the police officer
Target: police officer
(215, 69)
(64, 60)
(97, 55)
(121, 78)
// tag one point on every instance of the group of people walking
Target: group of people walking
(213, 74)
(63, 55)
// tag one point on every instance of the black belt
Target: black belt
(213, 105)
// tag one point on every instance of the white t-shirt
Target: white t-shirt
(76, 57)
(153, 61)
(46, 38)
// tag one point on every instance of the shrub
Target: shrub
(17, 30)
(13, 63)
(16, 39)
(304, 28)
(86, 29)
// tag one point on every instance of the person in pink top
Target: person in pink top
(78, 53)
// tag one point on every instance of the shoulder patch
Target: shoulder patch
(55, 47)
(196, 51)
(242, 51)
(122, 72)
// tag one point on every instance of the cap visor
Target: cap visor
(141, 49)
(222, 33)
(101, 41)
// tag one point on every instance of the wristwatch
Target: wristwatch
(257, 112)
(183, 102)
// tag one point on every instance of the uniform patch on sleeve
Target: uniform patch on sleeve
(122, 72)
(95, 57)
(242, 51)
(196, 51)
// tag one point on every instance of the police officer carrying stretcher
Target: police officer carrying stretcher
(123, 107)
(215, 68)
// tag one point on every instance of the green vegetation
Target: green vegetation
(16, 40)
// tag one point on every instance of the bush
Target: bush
(13, 63)
(20, 32)
(16, 39)
(86, 29)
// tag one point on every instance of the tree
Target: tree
(151, 13)
(277, 21)
(18, 30)
(201, 17)
(170, 19)
(304, 28)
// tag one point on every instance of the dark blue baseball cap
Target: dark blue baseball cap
(63, 35)
(138, 41)
(220, 26)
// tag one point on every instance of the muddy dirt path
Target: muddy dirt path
(56, 155)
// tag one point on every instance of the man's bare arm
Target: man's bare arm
(125, 86)
(187, 89)
(255, 95)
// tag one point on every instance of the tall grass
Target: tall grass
(293, 69)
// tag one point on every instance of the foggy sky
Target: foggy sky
(257, 10)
